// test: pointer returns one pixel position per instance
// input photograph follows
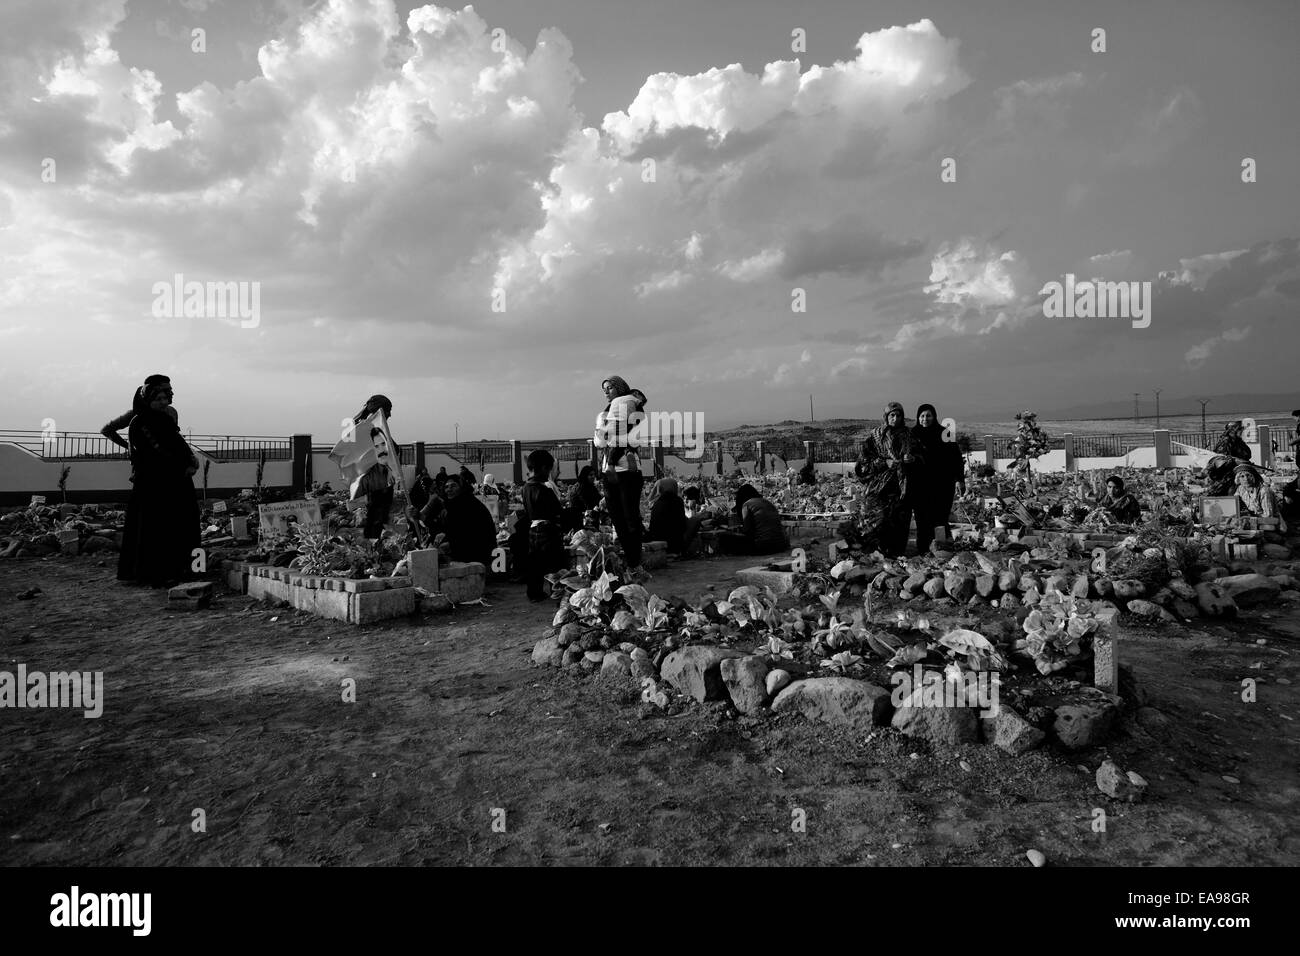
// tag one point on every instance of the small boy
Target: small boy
(542, 512)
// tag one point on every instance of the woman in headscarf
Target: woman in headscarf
(760, 529)
(1256, 496)
(470, 529)
(1123, 507)
(1230, 442)
(941, 472)
(162, 516)
(621, 468)
(668, 517)
(889, 454)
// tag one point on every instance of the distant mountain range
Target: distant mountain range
(1219, 405)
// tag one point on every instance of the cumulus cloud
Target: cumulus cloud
(1197, 355)
(968, 274)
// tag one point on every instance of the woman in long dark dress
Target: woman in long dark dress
(934, 483)
(888, 457)
(162, 515)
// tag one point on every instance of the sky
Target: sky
(482, 212)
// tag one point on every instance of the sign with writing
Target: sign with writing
(219, 507)
(37, 500)
(281, 516)
(1214, 510)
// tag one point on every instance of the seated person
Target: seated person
(808, 474)
(1257, 498)
(471, 532)
(584, 496)
(668, 517)
(1123, 507)
(759, 526)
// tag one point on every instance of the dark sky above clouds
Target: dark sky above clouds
(520, 170)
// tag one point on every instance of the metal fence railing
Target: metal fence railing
(92, 446)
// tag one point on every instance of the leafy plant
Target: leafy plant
(63, 482)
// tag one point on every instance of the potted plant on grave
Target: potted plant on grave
(63, 482)
(1030, 443)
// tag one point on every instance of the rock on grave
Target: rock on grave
(986, 585)
(1143, 608)
(1214, 601)
(934, 588)
(777, 681)
(1084, 722)
(1182, 589)
(1008, 581)
(960, 586)
(746, 681)
(1009, 602)
(1081, 587)
(548, 653)
(837, 700)
(1009, 731)
(696, 671)
(1249, 589)
(615, 665)
(938, 725)
(195, 596)
(70, 541)
(1059, 581)
(642, 665)
(915, 582)
(1128, 589)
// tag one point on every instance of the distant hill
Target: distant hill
(1239, 403)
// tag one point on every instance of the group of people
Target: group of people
(905, 473)
(161, 531)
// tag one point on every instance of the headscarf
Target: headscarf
(745, 493)
(894, 407)
(487, 479)
(667, 486)
(1243, 468)
(1118, 480)
(619, 383)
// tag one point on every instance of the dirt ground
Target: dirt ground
(238, 711)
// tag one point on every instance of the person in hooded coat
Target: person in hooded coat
(161, 530)
(668, 517)
(935, 478)
(470, 529)
(889, 456)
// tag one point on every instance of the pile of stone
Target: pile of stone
(44, 530)
(978, 579)
(1064, 713)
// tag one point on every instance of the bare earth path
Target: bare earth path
(238, 711)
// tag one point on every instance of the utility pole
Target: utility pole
(811, 416)
(1204, 402)
(457, 427)
(1135, 405)
(1158, 391)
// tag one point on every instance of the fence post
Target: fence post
(1164, 455)
(592, 456)
(659, 460)
(516, 461)
(760, 461)
(809, 452)
(301, 463)
(717, 456)
(419, 455)
(988, 452)
(1068, 441)
(1265, 434)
